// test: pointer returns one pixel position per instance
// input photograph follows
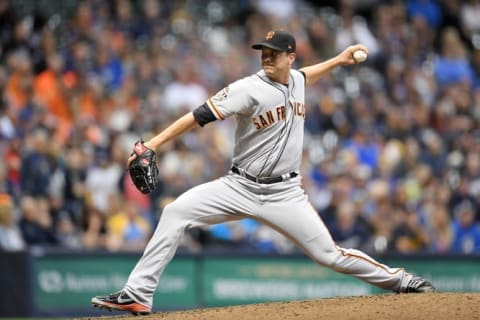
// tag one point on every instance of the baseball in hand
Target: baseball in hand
(360, 56)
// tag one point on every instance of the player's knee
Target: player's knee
(167, 215)
(171, 223)
(173, 212)
(327, 257)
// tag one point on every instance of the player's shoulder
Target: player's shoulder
(255, 76)
(246, 82)
(296, 74)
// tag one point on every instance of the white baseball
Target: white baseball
(360, 55)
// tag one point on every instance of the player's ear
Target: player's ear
(291, 57)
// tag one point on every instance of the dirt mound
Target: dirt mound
(438, 306)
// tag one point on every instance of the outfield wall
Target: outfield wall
(62, 284)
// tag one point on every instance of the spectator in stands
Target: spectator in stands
(124, 19)
(36, 166)
(128, 230)
(185, 93)
(452, 66)
(7, 119)
(4, 185)
(102, 180)
(439, 230)
(426, 9)
(10, 236)
(469, 13)
(95, 234)
(108, 67)
(348, 228)
(379, 212)
(408, 236)
(466, 231)
(7, 22)
(35, 222)
(51, 94)
(364, 148)
(472, 173)
(282, 10)
(354, 29)
(476, 72)
(68, 184)
(13, 163)
(461, 194)
(232, 235)
(67, 232)
(321, 37)
(20, 83)
(433, 152)
(247, 235)
(150, 20)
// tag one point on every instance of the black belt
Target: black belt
(264, 180)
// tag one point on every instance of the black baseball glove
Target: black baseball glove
(143, 169)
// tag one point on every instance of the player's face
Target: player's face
(276, 64)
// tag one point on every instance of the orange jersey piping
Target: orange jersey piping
(214, 109)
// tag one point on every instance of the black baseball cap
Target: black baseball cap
(278, 40)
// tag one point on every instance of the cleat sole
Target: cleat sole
(135, 309)
(135, 313)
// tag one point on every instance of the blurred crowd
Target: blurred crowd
(392, 148)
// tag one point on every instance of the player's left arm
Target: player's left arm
(177, 128)
(316, 71)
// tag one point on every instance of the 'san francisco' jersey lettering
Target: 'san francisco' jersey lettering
(271, 117)
(270, 121)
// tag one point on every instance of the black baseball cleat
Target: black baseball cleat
(417, 285)
(120, 301)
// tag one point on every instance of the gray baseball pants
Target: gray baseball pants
(284, 206)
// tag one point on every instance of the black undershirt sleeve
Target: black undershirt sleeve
(203, 115)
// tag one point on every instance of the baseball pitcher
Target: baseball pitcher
(264, 182)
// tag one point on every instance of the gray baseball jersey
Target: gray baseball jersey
(269, 137)
(269, 117)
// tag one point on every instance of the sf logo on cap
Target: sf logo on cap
(269, 35)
